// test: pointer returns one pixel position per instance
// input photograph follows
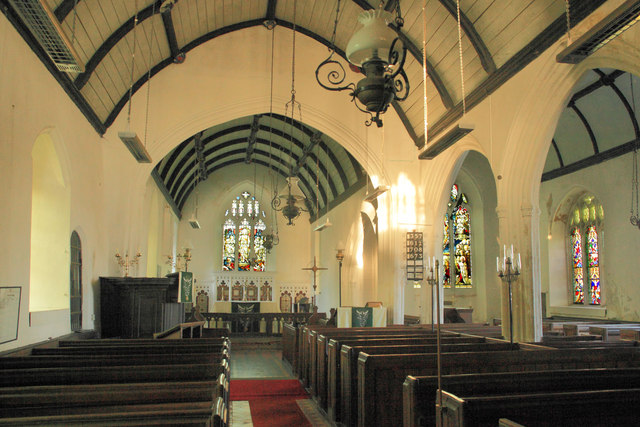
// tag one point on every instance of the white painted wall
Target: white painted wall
(32, 102)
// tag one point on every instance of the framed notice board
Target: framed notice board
(9, 313)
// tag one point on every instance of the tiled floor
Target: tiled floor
(264, 364)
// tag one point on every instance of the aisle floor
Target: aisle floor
(265, 364)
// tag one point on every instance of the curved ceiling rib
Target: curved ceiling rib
(586, 125)
(476, 41)
(602, 94)
(610, 81)
(327, 172)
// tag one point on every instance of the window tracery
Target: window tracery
(243, 239)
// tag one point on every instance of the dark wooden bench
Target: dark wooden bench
(143, 342)
(304, 342)
(612, 332)
(319, 348)
(419, 393)
(67, 399)
(346, 405)
(202, 414)
(126, 349)
(599, 408)
(78, 360)
(290, 345)
(329, 378)
(380, 377)
(319, 339)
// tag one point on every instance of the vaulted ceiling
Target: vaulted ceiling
(499, 38)
(327, 172)
(599, 123)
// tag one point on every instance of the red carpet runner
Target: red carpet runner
(272, 402)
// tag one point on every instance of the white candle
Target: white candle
(504, 252)
(519, 262)
(498, 264)
(512, 253)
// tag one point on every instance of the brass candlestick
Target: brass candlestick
(509, 274)
(180, 259)
(125, 262)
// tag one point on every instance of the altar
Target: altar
(356, 317)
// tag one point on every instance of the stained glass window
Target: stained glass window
(462, 245)
(594, 265)
(446, 250)
(229, 245)
(244, 245)
(243, 236)
(586, 219)
(456, 242)
(578, 277)
(258, 246)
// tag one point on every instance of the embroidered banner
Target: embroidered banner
(185, 293)
(361, 317)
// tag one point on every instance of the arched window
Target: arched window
(457, 241)
(584, 232)
(242, 236)
(75, 283)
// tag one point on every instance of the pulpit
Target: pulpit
(132, 307)
(357, 317)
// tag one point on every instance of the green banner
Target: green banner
(185, 293)
(361, 317)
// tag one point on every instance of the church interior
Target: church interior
(485, 164)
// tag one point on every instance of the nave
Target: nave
(274, 396)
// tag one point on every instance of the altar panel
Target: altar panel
(362, 316)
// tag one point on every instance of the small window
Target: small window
(584, 234)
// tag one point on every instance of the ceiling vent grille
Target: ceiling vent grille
(602, 33)
(42, 23)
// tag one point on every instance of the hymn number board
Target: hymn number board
(415, 257)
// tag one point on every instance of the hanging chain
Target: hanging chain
(568, 13)
(293, 101)
(335, 28)
(464, 101)
(133, 63)
(635, 215)
(151, 37)
(424, 69)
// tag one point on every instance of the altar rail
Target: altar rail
(254, 323)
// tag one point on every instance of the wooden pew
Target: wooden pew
(138, 342)
(178, 414)
(126, 349)
(67, 399)
(109, 374)
(319, 350)
(329, 378)
(602, 408)
(419, 393)
(58, 361)
(118, 382)
(346, 400)
(612, 332)
(304, 343)
(311, 348)
(380, 377)
(290, 345)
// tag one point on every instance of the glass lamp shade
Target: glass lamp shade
(293, 189)
(373, 40)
